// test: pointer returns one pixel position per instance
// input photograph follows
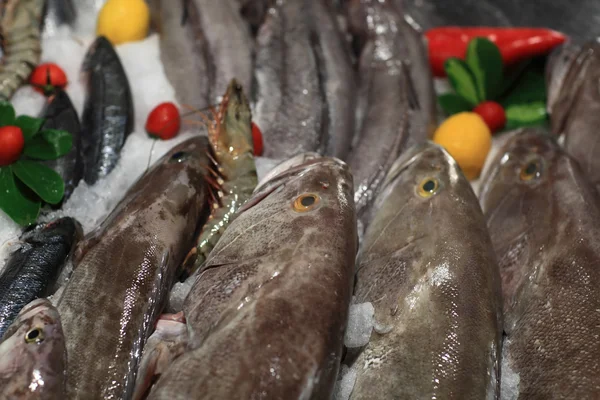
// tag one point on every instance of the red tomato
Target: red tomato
(164, 121)
(48, 77)
(257, 139)
(493, 114)
(11, 144)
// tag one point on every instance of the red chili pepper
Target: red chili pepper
(515, 44)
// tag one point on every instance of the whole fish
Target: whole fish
(267, 316)
(20, 26)
(391, 116)
(107, 117)
(60, 113)
(574, 104)
(33, 268)
(428, 267)
(544, 217)
(32, 355)
(289, 96)
(124, 270)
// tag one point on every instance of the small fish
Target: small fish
(33, 356)
(108, 111)
(574, 104)
(60, 113)
(20, 22)
(267, 316)
(543, 216)
(124, 270)
(32, 269)
(428, 268)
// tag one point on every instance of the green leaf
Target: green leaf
(7, 114)
(20, 207)
(49, 145)
(485, 61)
(44, 181)
(526, 114)
(462, 80)
(29, 125)
(512, 74)
(452, 103)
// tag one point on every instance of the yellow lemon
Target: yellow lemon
(122, 21)
(468, 139)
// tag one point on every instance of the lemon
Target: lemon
(122, 21)
(468, 139)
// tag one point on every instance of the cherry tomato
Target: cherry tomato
(164, 121)
(492, 113)
(11, 144)
(257, 139)
(48, 77)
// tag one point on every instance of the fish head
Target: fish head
(32, 353)
(65, 228)
(190, 153)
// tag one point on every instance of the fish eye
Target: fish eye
(179, 156)
(306, 202)
(428, 187)
(36, 335)
(531, 170)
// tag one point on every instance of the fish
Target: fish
(427, 266)
(168, 342)
(288, 99)
(108, 117)
(574, 104)
(543, 217)
(391, 114)
(254, 11)
(31, 270)
(58, 12)
(21, 22)
(60, 114)
(33, 356)
(267, 316)
(124, 269)
(204, 45)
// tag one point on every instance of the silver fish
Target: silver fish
(32, 355)
(428, 267)
(544, 220)
(124, 270)
(267, 316)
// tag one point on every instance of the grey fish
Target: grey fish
(391, 114)
(32, 355)
(32, 269)
(107, 117)
(288, 94)
(267, 316)
(60, 113)
(574, 104)
(428, 267)
(543, 217)
(254, 11)
(124, 270)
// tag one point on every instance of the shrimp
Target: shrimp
(230, 135)
(20, 24)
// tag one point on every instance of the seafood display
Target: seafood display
(437, 322)
(280, 200)
(542, 213)
(107, 118)
(20, 26)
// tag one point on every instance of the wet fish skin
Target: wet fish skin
(125, 269)
(575, 106)
(107, 118)
(184, 50)
(543, 217)
(31, 270)
(427, 266)
(33, 368)
(254, 11)
(267, 316)
(288, 94)
(60, 113)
